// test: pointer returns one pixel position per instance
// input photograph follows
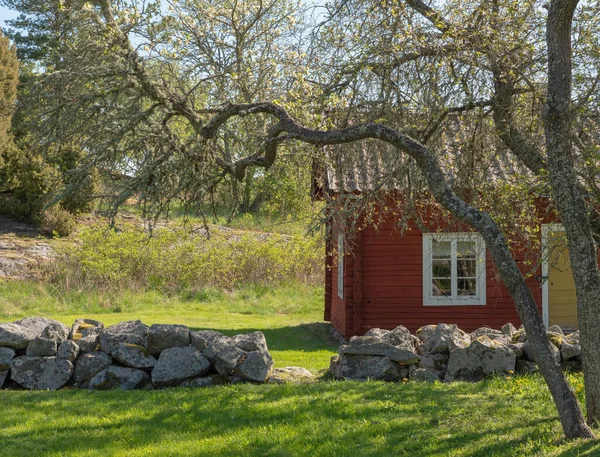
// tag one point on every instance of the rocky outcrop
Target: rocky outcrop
(290, 375)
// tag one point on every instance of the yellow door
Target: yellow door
(562, 301)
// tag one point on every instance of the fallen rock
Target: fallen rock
(132, 332)
(178, 364)
(41, 347)
(82, 325)
(290, 375)
(123, 378)
(134, 356)
(68, 350)
(255, 366)
(401, 338)
(162, 336)
(89, 365)
(364, 367)
(369, 345)
(40, 373)
(480, 359)
(556, 338)
(15, 336)
(445, 339)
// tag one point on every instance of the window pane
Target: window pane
(465, 249)
(466, 267)
(466, 287)
(441, 287)
(442, 268)
(441, 249)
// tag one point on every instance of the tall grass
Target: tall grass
(176, 260)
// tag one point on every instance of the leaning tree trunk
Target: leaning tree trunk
(569, 199)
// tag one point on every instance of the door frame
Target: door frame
(546, 230)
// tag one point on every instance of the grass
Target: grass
(499, 417)
(290, 316)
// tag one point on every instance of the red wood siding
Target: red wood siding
(390, 292)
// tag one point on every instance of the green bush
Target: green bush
(176, 260)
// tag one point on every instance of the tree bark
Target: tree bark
(569, 199)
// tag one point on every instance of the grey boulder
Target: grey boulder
(40, 373)
(41, 347)
(6, 356)
(570, 351)
(202, 338)
(364, 367)
(368, 345)
(56, 331)
(480, 359)
(445, 339)
(39, 324)
(255, 366)
(290, 375)
(424, 375)
(132, 332)
(175, 365)
(224, 355)
(123, 378)
(162, 336)
(529, 355)
(16, 336)
(89, 365)
(254, 341)
(87, 339)
(68, 350)
(133, 356)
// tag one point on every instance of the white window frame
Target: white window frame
(480, 270)
(340, 266)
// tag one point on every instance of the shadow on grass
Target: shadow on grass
(335, 418)
(304, 337)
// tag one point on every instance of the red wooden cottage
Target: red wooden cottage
(378, 277)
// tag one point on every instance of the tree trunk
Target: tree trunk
(568, 197)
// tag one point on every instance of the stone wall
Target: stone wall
(39, 354)
(445, 353)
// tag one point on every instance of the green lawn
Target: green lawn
(494, 418)
(499, 417)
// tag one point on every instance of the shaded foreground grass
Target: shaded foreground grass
(290, 316)
(499, 417)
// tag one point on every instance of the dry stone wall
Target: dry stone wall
(43, 354)
(446, 353)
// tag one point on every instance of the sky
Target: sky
(5, 14)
